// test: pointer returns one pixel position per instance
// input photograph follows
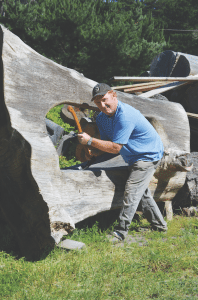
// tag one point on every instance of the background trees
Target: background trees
(99, 39)
(180, 15)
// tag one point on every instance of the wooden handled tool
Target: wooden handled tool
(71, 110)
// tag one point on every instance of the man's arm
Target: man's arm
(106, 146)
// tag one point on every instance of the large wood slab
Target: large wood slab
(40, 202)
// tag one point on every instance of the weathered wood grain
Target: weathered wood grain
(39, 200)
(122, 87)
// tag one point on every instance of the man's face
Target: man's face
(107, 103)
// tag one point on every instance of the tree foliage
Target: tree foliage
(99, 39)
(180, 15)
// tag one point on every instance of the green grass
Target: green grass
(165, 268)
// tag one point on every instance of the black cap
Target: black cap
(100, 89)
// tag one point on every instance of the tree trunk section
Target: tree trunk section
(173, 64)
(40, 202)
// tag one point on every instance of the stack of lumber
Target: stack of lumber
(168, 70)
(153, 85)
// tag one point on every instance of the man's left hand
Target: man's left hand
(83, 138)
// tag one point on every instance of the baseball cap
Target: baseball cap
(100, 89)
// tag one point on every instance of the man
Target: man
(124, 130)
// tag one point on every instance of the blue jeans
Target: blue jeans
(137, 192)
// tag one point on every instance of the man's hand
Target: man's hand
(83, 138)
(105, 146)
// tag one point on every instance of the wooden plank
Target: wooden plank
(135, 85)
(163, 89)
(191, 115)
(148, 79)
(144, 88)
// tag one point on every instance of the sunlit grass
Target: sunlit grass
(165, 268)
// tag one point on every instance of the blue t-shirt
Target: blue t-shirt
(131, 129)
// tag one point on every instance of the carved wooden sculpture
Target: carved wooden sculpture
(39, 201)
